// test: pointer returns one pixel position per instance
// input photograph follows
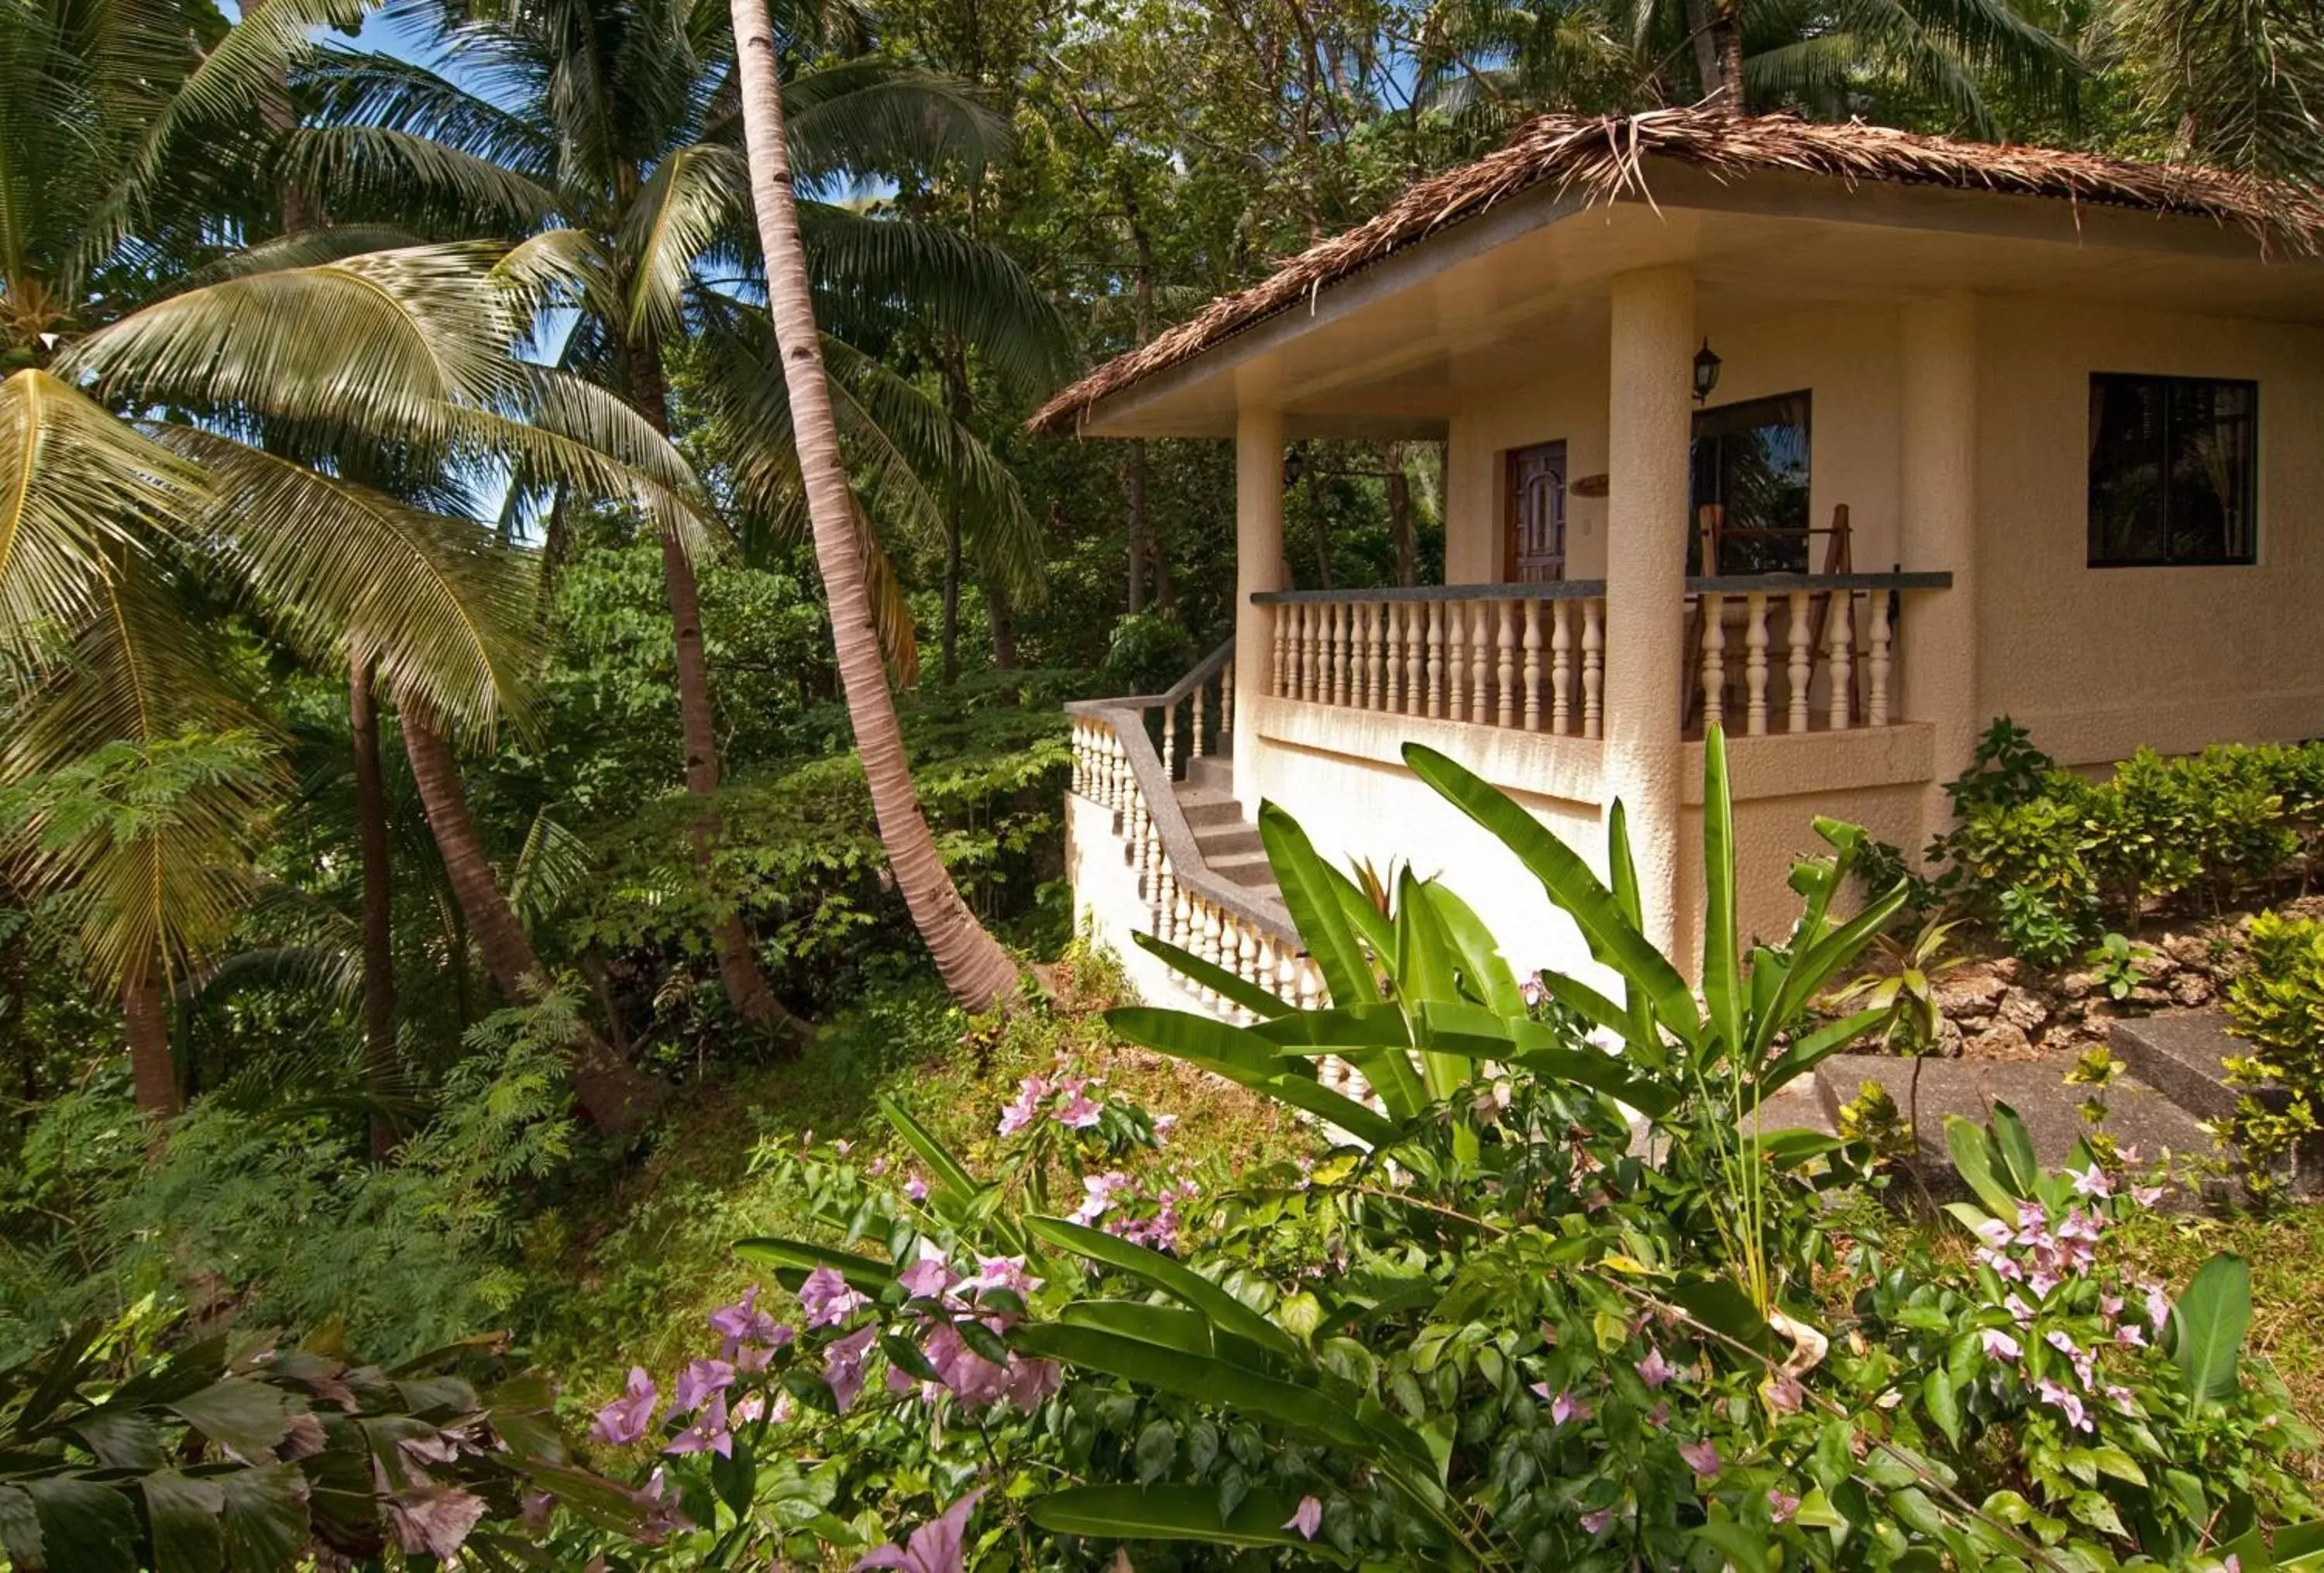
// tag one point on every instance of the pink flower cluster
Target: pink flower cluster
(1077, 1110)
(748, 1339)
(943, 1299)
(1114, 1202)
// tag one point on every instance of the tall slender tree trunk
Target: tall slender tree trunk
(974, 967)
(153, 1072)
(611, 1092)
(739, 972)
(1133, 485)
(1400, 516)
(378, 912)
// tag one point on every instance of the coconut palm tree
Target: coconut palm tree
(618, 121)
(975, 966)
(184, 415)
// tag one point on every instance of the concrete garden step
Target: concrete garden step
(1222, 842)
(2184, 1053)
(1213, 772)
(2138, 1115)
(1251, 870)
(1204, 809)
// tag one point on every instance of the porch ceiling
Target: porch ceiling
(1395, 349)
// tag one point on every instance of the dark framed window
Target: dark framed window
(1749, 497)
(2174, 470)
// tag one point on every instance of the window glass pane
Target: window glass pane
(2173, 469)
(1752, 461)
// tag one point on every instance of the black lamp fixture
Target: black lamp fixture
(1706, 372)
(1294, 463)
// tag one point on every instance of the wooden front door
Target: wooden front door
(1533, 537)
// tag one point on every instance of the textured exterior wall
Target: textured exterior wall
(2099, 660)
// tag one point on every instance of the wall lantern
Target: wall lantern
(1706, 372)
(1293, 464)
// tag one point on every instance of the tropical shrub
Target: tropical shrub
(2277, 1002)
(147, 1444)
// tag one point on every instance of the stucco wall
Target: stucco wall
(1848, 358)
(2099, 660)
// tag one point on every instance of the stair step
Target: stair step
(1228, 841)
(1251, 870)
(2138, 1115)
(2184, 1053)
(1211, 770)
(1203, 812)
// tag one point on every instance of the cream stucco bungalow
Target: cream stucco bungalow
(1992, 430)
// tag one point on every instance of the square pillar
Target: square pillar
(1258, 566)
(1650, 425)
(1938, 641)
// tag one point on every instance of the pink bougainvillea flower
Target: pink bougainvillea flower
(2158, 1306)
(1785, 1395)
(1079, 1112)
(915, 1188)
(1002, 1273)
(2129, 1335)
(1306, 1518)
(1595, 1522)
(1659, 1416)
(1098, 1198)
(2033, 1221)
(843, 1148)
(2121, 1398)
(1994, 1233)
(927, 1277)
(1702, 1457)
(2042, 1280)
(938, 1546)
(1029, 1382)
(826, 1299)
(1564, 1407)
(2146, 1196)
(1016, 1117)
(708, 1433)
(2066, 1402)
(1653, 1371)
(2000, 1345)
(1163, 1125)
(699, 1381)
(626, 1419)
(749, 1407)
(2109, 1305)
(743, 1322)
(2091, 1182)
(1780, 1505)
(842, 1366)
(2018, 1308)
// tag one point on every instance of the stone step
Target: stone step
(1251, 870)
(1214, 771)
(2138, 1115)
(1204, 809)
(1228, 841)
(2184, 1053)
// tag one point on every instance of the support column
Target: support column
(1258, 566)
(1938, 641)
(1649, 425)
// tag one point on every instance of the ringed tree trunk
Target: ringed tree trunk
(974, 967)
(611, 1092)
(153, 1072)
(378, 910)
(739, 972)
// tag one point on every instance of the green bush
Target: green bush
(2046, 860)
(2277, 1002)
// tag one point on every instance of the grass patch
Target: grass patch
(630, 1280)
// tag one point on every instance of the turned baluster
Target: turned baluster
(1360, 655)
(1287, 975)
(1212, 934)
(1181, 918)
(1505, 631)
(1150, 873)
(1246, 961)
(1073, 756)
(1278, 677)
(1755, 664)
(1165, 898)
(1133, 841)
(1306, 650)
(1714, 661)
(1456, 661)
(1593, 668)
(1392, 701)
(1876, 612)
(1311, 986)
(1561, 669)
(1170, 741)
(1226, 701)
(1416, 646)
(1374, 656)
(1800, 666)
(1480, 662)
(1195, 723)
(1532, 666)
(1436, 659)
(1843, 658)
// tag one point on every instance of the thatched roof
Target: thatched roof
(1602, 158)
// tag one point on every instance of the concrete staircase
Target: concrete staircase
(1229, 844)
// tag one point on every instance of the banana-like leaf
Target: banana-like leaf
(2208, 1326)
(1250, 997)
(1612, 937)
(1481, 961)
(1188, 1330)
(1310, 892)
(1175, 1512)
(800, 1257)
(1374, 1026)
(1188, 1036)
(1809, 1051)
(1975, 1160)
(1173, 1277)
(1722, 982)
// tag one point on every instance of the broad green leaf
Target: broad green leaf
(1471, 1031)
(85, 1528)
(861, 1272)
(1372, 1026)
(1174, 1512)
(182, 1515)
(1167, 1325)
(1172, 1277)
(1723, 957)
(1481, 961)
(1944, 1405)
(1972, 1154)
(1311, 891)
(2014, 1146)
(1717, 1304)
(2208, 1326)
(1613, 936)
(121, 1437)
(1809, 1050)
(265, 1517)
(944, 1169)
(1203, 1378)
(1188, 1036)
(249, 1417)
(20, 1530)
(1250, 997)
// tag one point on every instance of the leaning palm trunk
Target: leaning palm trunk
(745, 981)
(611, 1092)
(974, 967)
(378, 898)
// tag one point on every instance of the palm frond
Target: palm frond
(693, 196)
(384, 170)
(869, 118)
